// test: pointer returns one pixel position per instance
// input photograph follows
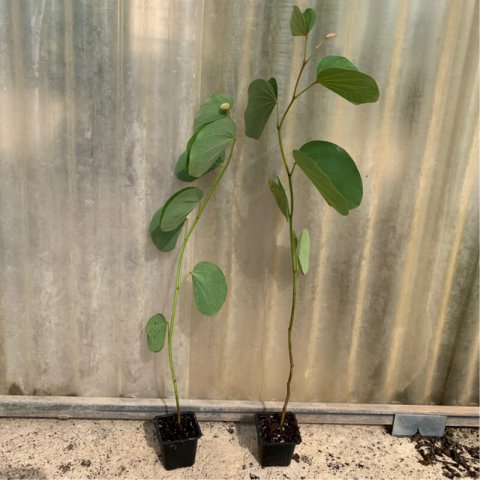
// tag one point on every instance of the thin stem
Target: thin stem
(290, 227)
(179, 269)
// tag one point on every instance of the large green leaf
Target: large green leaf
(342, 77)
(302, 23)
(340, 168)
(280, 195)
(164, 241)
(333, 172)
(178, 206)
(209, 144)
(209, 288)
(156, 329)
(262, 98)
(303, 251)
(210, 110)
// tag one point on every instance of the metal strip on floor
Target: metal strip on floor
(225, 410)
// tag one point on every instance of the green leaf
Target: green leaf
(340, 168)
(181, 167)
(164, 241)
(302, 23)
(262, 98)
(273, 82)
(303, 251)
(210, 110)
(310, 17)
(280, 195)
(342, 77)
(156, 329)
(178, 206)
(298, 26)
(321, 181)
(209, 144)
(209, 288)
(333, 172)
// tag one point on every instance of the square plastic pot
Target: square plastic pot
(275, 454)
(178, 453)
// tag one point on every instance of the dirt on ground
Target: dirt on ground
(48, 449)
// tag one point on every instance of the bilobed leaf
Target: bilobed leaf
(164, 241)
(298, 26)
(210, 110)
(178, 206)
(303, 251)
(342, 77)
(209, 288)
(280, 195)
(156, 329)
(310, 16)
(262, 98)
(321, 181)
(339, 167)
(302, 23)
(209, 144)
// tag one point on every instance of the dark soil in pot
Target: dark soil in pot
(276, 443)
(178, 443)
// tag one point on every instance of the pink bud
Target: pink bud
(328, 36)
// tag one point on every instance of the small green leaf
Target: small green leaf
(321, 181)
(303, 251)
(262, 98)
(342, 77)
(209, 288)
(181, 167)
(273, 82)
(310, 16)
(164, 241)
(298, 26)
(209, 144)
(210, 110)
(178, 206)
(280, 195)
(156, 329)
(333, 172)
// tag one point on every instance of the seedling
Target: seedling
(328, 166)
(214, 134)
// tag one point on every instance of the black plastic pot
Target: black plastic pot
(178, 453)
(276, 454)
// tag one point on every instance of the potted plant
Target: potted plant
(214, 133)
(334, 174)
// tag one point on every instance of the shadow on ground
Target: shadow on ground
(247, 438)
(151, 437)
(23, 473)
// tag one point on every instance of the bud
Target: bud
(225, 106)
(329, 36)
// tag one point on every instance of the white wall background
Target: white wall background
(96, 103)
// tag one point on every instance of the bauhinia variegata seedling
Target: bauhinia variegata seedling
(329, 167)
(210, 148)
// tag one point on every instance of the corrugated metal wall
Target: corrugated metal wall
(96, 103)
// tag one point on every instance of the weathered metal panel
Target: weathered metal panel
(96, 102)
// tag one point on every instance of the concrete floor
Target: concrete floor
(46, 449)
